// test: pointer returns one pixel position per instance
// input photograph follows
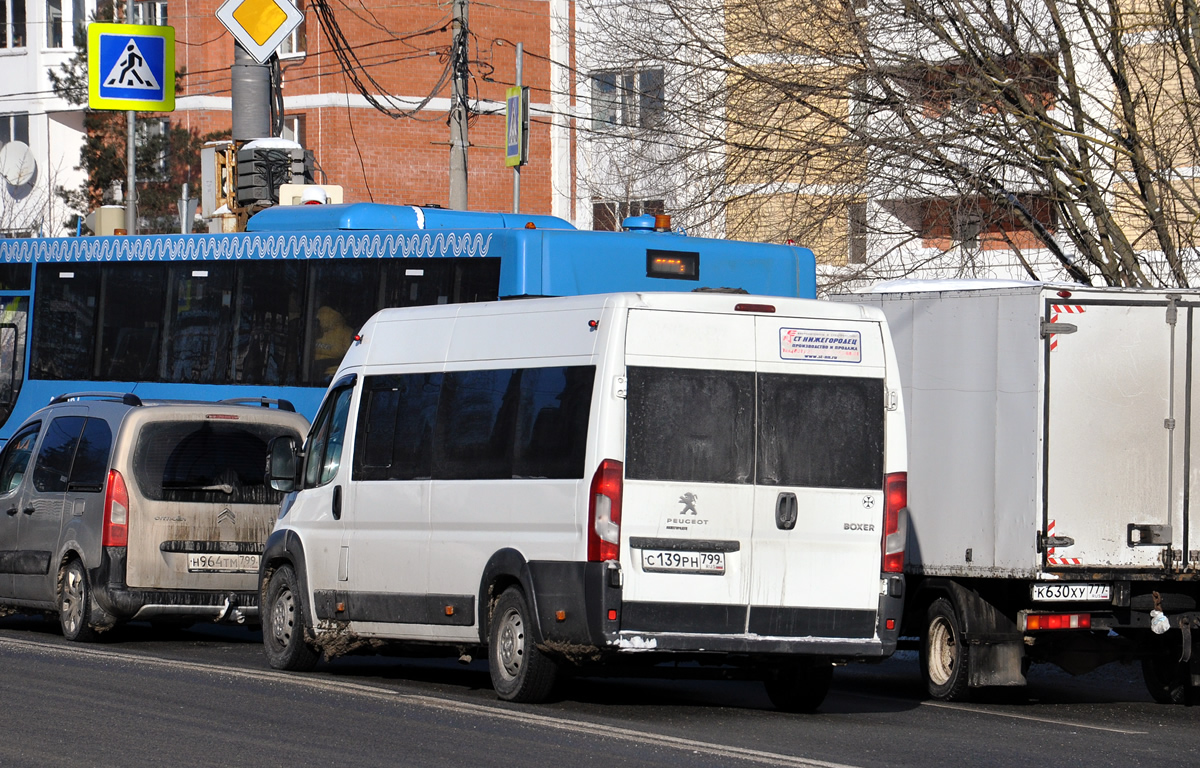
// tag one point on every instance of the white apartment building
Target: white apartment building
(36, 36)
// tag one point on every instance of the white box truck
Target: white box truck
(1051, 485)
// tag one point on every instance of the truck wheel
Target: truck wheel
(1167, 678)
(520, 672)
(799, 686)
(286, 624)
(945, 655)
(75, 603)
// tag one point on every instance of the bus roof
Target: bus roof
(552, 258)
(357, 216)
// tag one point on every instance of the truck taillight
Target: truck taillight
(604, 512)
(895, 498)
(116, 512)
(1058, 621)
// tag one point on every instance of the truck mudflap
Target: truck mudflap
(110, 591)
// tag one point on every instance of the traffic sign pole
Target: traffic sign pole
(517, 168)
(130, 154)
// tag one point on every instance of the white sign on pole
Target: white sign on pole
(259, 25)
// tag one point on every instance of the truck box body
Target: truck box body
(1015, 434)
(1052, 478)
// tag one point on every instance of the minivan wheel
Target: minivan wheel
(520, 672)
(75, 603)
(945, 655)
(285, 624)
(799, 686)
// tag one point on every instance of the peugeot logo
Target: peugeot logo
(688, 500)
(227, 516)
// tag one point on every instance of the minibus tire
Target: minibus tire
(75, 603)
(285, 624)
(520, 672)
(799, 686)
(945, 655)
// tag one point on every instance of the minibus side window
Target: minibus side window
(473, 440)
(324, 454)
(395, 427)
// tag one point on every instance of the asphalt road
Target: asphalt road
(205, 697)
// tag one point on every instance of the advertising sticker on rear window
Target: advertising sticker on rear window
(819, 345)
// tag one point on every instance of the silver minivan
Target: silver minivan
(113, 509)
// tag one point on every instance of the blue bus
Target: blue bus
(269, 312)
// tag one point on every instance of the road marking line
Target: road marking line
(1013, 715)
(1052, 721)
(432, 702)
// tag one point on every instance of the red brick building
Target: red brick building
(404, 46)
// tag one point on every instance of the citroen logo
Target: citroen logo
(227, 516)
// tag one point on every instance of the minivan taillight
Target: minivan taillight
(116, 512)
(604, 512)
(895, 498)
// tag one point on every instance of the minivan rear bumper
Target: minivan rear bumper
(111, 592)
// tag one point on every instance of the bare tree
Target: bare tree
(1054, 139)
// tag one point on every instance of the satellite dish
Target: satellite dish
(17, 165)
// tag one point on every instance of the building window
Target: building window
(295, 44)
(153, 138)
(631, 97)
(293, 128)
(54, 24)
(152, 12)
(12, 23)
(14, 128)
(607, 217)
(857, 233)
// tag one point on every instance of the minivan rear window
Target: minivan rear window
(820, 431)
(206, 462)
(690, 426)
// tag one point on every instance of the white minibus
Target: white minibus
(682, 477)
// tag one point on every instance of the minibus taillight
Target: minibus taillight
(895, 498)
(116, 512)
(604, 512)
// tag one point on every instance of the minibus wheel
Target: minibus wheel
(520, 672)
(799, 686)
(285, 624)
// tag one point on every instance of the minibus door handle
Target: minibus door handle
(787, 510)
(337, 502)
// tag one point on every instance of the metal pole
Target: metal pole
(458, 109)
(517, 167)
(130, 154)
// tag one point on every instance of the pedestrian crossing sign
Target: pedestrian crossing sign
(131, 66)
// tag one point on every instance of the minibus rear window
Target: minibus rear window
(690, 426)
(820, 431)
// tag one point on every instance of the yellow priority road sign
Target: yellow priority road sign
(131, 66)
(259, 25)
